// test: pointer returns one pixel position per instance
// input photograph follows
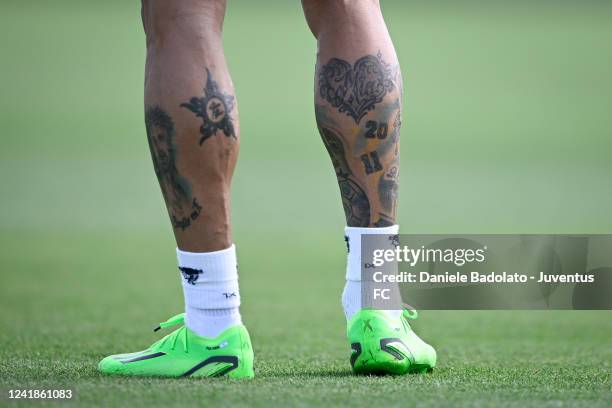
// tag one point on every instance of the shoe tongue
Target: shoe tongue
(173, 321)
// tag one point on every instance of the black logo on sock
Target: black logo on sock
(229, 295)
(191, 275)
(395, 240)
(348, 246)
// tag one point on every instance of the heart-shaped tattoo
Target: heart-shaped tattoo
(355, 90)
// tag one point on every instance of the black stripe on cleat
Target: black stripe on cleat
(356, 347)
(139, 358)
(384, 346)
(233, 360)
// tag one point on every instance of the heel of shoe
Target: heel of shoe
(244, 370)
(245, 361)
(380, 357)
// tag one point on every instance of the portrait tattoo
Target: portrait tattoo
(183, 208)
(356, 89)
(354, 199)
(214, 108)
(387, 189)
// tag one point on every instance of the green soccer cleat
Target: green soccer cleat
(384, 345)
(183, 353)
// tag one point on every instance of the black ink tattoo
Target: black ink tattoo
(354, 199)
(355, 202)
(389, 119)
(397, 125)
(214, 108)
(183, 208)
(397, 122)
(335, 148)
(376, 130)
(384, 221)
(185, 221)
(356, 89)
(371, 162)
(387, 189)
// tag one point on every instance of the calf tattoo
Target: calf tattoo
(383, 221)
(214, 108)
(376, 130)
(183, 208)
(356, 89)
(371, 162)
(365, 153)
(388, 183)
(354, 199)
(387, 189)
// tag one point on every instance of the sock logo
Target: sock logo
(395, 240)
(348, 246)
(191, 275)
(229, 295)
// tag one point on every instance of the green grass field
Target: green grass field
(507, 130)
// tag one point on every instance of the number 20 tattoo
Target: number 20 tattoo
(376, 130)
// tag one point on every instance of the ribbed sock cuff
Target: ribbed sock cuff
(353, 240)
(214, 266)
(210, 279)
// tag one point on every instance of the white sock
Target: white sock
(210, 286)
(351, 296)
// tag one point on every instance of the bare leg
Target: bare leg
(358, 100)
(358, 93)
(192, 128)
(191, 118)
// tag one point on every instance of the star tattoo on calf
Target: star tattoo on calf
(214, 108)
